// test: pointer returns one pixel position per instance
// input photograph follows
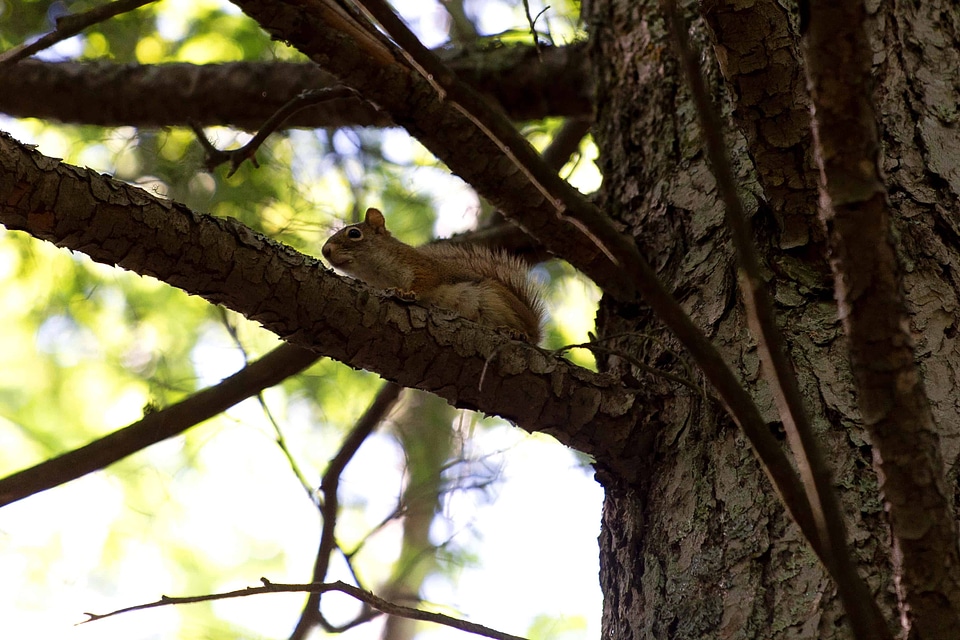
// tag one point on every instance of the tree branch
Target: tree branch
(245, 94)
(478, 142)
(311, 614)
(278, 365)
(236, 157)
(295, 297)
(364, 596)
(517, 182)
(869, 289)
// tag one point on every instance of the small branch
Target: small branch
(69, 26)
(373, 601)
(594, 346)
(532, 21)
(236, 157)
(311, 615)
(278, 365)
(281, 441)
(566, 142)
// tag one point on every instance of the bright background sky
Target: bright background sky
(535, 538)
(537, 555)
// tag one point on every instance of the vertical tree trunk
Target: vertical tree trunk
(700, 547)
(423, 426)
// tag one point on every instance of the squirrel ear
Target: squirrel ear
(375, 219)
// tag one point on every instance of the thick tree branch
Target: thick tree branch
(869, 289)
(278, 365)
(245, 94)
(294, 296)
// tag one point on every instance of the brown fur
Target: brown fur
(488, 287)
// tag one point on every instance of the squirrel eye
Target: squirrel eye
(355, 234)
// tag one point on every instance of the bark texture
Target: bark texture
(699, 547)
(869, 286)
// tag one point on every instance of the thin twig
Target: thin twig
(593, 346)
(865, 616)
(366, 597)
(231, 328)
(566, 141)
(236, 157)
(311, 615)
(594, 340)
(69, 26)
(533, 26)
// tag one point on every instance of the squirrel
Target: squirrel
(488, 287)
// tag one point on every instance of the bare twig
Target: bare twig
(281, 363)
(373, 601)
(71, 25)
(594, 346)
(865, 616)
(532, 22)
(311, 615)
(566, 142)
(281, 441)
(216, 157)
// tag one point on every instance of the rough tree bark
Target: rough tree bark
(699, 547)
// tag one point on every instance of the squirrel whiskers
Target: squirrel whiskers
(489, 287)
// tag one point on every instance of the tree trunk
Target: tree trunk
(699, 547)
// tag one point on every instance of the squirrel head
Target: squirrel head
(345, 245)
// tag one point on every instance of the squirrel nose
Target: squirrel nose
(326, 251)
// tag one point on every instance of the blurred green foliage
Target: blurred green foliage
(88, 349)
